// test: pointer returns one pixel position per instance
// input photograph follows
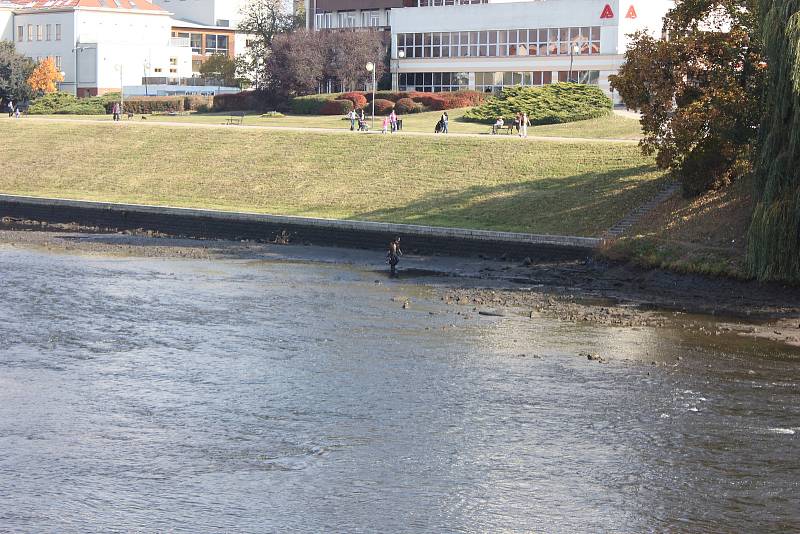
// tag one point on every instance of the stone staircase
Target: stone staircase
(621, 227)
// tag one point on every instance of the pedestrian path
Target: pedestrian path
(339, 131)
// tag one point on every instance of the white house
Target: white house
(443, 45)
(209, 16)
(100, 45)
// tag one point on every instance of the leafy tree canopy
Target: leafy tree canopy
(15, 69)
(699, 91)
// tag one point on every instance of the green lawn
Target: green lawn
(612, 127)
(578, 188)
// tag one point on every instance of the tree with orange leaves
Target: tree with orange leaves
(44, 77)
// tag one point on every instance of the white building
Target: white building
(209, 16)
(99, 45)
(490, 45)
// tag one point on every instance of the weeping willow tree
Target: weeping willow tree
(774, 236)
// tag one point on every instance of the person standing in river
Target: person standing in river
(393, 256)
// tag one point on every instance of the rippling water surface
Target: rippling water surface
(261, 397)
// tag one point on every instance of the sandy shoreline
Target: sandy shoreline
(588, 292)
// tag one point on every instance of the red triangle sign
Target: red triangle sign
(631, 13)
(608, 13)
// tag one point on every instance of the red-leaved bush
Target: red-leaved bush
(383, 107)
(336, 107)
(358, 99)
(406, 105)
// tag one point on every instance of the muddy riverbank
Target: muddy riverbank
(575, 291)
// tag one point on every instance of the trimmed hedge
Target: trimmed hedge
(241, 101)
(150, 104)
(394, 96)
(336, 107)
(548, 104)
(449, 100)
(406, 105)
(67, 104)
(358, 99)
(311, 104)
(193, 103)
(382, 107)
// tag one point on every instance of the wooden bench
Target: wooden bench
(237, 117)
(508, 127)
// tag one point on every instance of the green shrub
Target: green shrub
(203, 108)
(311, 104)
(193, 103)
(241, 101)
(549, 104)
(82, 108)
(336, 107)
(142, 105)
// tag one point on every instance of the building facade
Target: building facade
(100, 46)
(441, 46)
(210, 25)
(351, 14)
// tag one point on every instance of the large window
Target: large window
(195, 41)
(347, 19)
(429, 82)
(30, 32)
(20, 33)
(48, 32)
(502, 43)
(370, 18)
(58, 32)
(323, 20)
(216, 44)
(492, 81)
(39, 32)
(591, 77)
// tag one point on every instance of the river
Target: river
(250, 396)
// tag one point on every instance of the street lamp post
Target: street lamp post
(400, 55)
(574, 49)
(146, 66)
(371, 68)
(121, 89)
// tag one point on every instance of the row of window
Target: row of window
(433, 3)
(39, 32)
(501, 43)
(489, 81)
(214, 43)
(349, 19)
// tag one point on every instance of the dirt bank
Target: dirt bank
(594, 292)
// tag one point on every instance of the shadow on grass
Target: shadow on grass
(585, 204)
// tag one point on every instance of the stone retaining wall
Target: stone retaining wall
(352, 234)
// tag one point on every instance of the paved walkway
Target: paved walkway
(340, 131)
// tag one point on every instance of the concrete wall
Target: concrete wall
(298, 230)
(6, 24)
(205, 12)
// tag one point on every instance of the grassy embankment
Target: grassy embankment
(704, 235)
(578, 188)
(612, 127)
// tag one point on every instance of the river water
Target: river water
(245, 396)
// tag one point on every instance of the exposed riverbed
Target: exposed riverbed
(158, 385)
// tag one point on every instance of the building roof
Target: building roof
(183, 23)
(133, 5)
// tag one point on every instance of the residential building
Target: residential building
(485, 46)
(350, 14)
(100, 45)
(210, 25)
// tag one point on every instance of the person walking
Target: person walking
(115, 111)
(393, 255)
(524, 122)
(352, 116)
(445, 120)
(393, 120)
(10, 107)
(385, 124)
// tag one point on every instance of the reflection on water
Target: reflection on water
(258, 397)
